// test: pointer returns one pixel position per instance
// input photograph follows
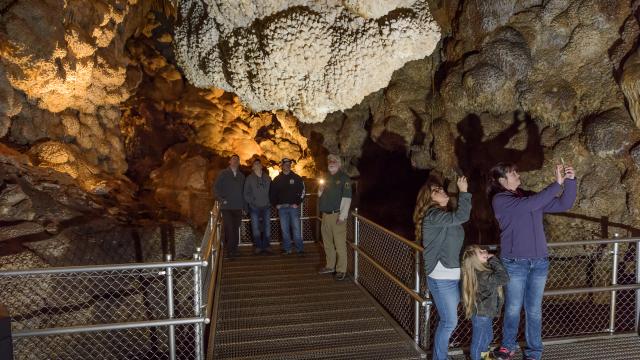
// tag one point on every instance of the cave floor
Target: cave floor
(279, 307)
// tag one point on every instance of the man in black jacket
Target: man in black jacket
(229, 192)
(287, 193)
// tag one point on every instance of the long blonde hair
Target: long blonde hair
(423, 204)
(470, 264)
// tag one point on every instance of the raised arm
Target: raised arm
(506, 202)
(499, 275)
(565, 201)
(438, 217)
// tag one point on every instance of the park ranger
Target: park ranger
(334, 202)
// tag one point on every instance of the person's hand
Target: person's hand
(560, 176)
(278, 206)
(340, 222)
(462, 183)
(569, 172)
(489, 256)
(295, 206)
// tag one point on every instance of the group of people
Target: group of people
(483, 281)
(256, 193)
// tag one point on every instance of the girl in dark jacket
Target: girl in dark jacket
(483, 276)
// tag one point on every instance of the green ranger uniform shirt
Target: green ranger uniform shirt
(337, 187)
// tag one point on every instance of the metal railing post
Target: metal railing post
(170, 313)
(356, 242)
(416, 305)
(197, 305)
(614, 281)
(301, 221)
(638, 290)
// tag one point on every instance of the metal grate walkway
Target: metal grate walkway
(613, 348)
(278, 307)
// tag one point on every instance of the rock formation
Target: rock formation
(309, 57)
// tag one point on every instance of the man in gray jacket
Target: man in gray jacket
(256, 194)
(228, 189)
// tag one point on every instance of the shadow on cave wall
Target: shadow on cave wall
(476, 157)
(388, 184)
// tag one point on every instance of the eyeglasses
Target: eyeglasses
(437, 190)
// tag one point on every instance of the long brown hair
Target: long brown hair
(423, 204)
(470, 264)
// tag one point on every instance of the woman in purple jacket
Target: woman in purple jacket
(523, 249)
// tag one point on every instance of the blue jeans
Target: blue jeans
(481, 336)
(527, 278)
(290, 223)
(446, 296)
(264, 213)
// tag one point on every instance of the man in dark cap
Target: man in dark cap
(286, 194)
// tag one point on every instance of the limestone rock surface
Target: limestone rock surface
(305, 56)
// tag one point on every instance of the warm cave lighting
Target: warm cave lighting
(273, 172)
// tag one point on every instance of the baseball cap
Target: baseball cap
(284, 160)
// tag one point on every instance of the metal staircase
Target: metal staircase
(278, 307)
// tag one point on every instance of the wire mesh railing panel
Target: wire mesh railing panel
(575, 266)
(142, 343)
(183, 292)
(308, 214)
(58, 300)
(393, 298)
(392, 254)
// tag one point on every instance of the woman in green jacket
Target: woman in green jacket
(441, 233)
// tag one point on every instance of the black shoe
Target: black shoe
(257, 251)
(300, 253)
(286, 252)
(340, 276)
(326, 270)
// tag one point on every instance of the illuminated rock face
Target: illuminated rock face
(68, 54)
(64, 72)
(309, 57)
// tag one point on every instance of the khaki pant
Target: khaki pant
(334, 238)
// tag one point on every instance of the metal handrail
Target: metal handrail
(588, 290)
(98, 268)
(593, 242)
(106, 327)
(395, 236)
(390, 276)
(212, 249)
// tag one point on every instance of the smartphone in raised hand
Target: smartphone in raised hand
(564, 168)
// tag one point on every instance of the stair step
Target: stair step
(304, 342)
(297, 288)
(257, 278)
(293, 284)
(341, 303)
(327, 293)
(303, 317)
(386, 351)
(272, 269)
(284, 332)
